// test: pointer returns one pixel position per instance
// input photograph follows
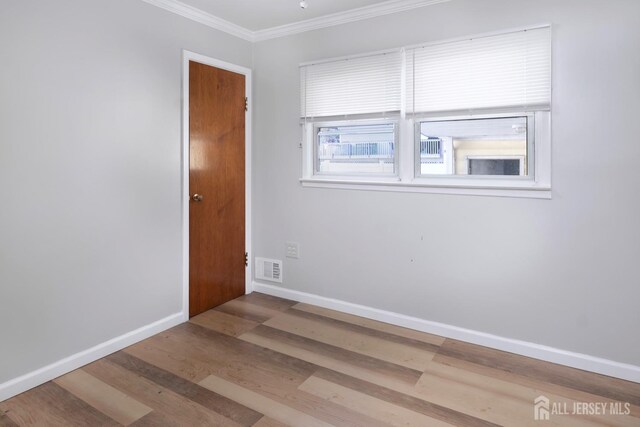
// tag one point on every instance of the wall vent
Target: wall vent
(269, 269)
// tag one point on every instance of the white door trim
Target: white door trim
(196, 57)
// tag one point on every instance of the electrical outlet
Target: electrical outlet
(293, 250)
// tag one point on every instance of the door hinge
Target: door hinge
(246, 104)
(246, 259)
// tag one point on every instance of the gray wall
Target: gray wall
(559, 272)
(90, 216)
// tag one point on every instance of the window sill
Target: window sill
(528, 191)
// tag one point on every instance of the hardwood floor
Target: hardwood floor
(268, 362)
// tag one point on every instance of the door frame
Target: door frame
(188, 56)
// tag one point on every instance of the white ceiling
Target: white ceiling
(258, 15)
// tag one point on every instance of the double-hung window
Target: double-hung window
(350, 109)
(469, 115)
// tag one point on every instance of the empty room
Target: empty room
(319, 213)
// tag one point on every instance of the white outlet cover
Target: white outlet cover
(293, 250)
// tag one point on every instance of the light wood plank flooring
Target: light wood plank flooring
(269, 362)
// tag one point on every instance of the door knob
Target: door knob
(197, 197)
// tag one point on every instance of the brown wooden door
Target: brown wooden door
(217, 176)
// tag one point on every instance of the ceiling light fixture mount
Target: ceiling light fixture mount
(303, 4)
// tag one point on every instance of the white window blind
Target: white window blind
(365, 85)
(510, 70)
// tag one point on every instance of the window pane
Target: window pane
(474, 147)
(364, 149)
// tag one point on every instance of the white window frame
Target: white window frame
(479, 180)
(537, 184)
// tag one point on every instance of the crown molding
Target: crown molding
(203, 17)
(361, 13)
(366, 12)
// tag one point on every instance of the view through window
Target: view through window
(473, 147)
(359, 149)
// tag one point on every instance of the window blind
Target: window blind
(510, 70)
(362, 85)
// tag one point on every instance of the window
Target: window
(470, 114)
(356, 149)
(495, 147)
(350, 108)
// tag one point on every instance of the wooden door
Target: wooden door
(217, 186)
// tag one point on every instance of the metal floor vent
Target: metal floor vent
(269, 269)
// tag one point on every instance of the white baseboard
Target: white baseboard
(524, 348)
(75, 361)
